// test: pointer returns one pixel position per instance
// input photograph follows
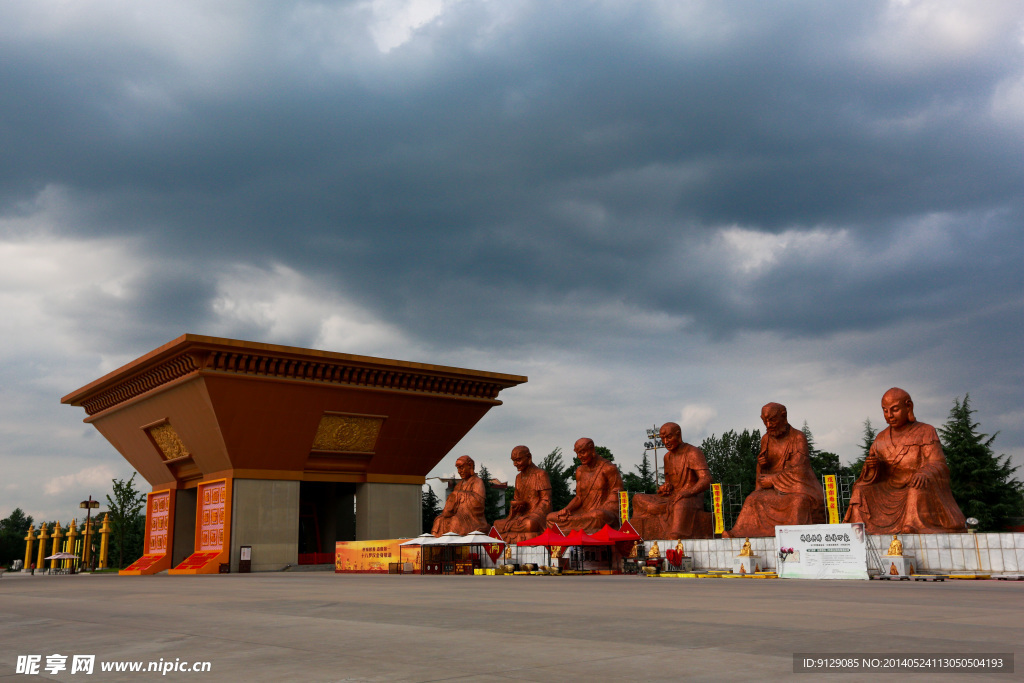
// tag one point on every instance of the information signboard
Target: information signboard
(821, 551)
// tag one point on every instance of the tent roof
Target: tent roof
(549, 537)
(577, 537)
(610, 535)
(479, 538)
(419, 540)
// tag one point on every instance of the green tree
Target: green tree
(641, 481)
(559, 474)
(13, 530)
(431, 508)
(492, 511)
(822, 462)
(867, 439)
(127, 524)
(982, 482)
(732, 458)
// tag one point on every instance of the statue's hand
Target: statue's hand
(665, 489)
(919, 480)
(762, 459)
(871, 460)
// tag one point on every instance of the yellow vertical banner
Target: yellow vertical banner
(831, 499)
(623, 507)
(716, 506)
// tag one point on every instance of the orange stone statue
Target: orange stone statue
(464, 510)
(787, 491)
(596, 503)
(677, 509)
(531, 503)
(904, 486)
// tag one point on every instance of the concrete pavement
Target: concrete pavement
(316, 626)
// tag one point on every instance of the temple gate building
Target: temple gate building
(281, 449)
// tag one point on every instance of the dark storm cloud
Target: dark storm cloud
(491, 173)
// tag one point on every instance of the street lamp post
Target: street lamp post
(89, 506)
(653, 443)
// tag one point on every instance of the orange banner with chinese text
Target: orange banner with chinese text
(623, 507)
(831, 499)
(716, 506)
(373, 557)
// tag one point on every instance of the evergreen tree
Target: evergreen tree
(822, 462)
(865, 448)
(491, 495)
(641, 481)
(982, 482)
(13, 530)
(431, 508)
(559, 474)
(126, 521)
(732, 458)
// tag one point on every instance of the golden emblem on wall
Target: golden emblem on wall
(167, 441)
(347, 433)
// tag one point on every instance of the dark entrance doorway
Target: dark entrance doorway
(326, 516)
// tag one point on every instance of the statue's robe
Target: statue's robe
(787, 491)
(533, 489)
(679, 513)
(883, 498)
(465, 505)
(597, 499)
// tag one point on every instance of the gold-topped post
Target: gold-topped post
(104, 541)
(72, 537)
(29, 539)
(43, 537)
(57, 535)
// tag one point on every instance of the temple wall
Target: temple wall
(265, 515)
(388, 511)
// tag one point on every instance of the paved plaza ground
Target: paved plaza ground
(318, 626)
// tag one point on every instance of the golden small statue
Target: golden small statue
(746, 551)
(895, 548)
(679, 548)
(655, 551)
(632, 553)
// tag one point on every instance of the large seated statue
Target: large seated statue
(596, 503)
(464, 510)
(531, 503)
(787, 492)
(677, 509)
(904, 486)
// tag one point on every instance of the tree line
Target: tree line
(983, 483)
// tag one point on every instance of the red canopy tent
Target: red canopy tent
(608, 535)
(550, 537)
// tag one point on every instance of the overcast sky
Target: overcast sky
(655, 210)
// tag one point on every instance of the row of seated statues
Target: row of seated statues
(904, 487)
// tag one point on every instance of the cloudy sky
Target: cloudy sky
(655, 210)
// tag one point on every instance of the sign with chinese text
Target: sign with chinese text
(373, 557)
(716, 507)
(623, 507)
(831, 499)
(822, 551)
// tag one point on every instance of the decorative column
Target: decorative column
(43, 536)
(72, 537)
(58, 534)
(104, 541)
(28, 547)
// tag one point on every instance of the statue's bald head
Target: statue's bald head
(583, 444)
(776, 419)
(671, 428)
(774, 410)
(898, 396)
